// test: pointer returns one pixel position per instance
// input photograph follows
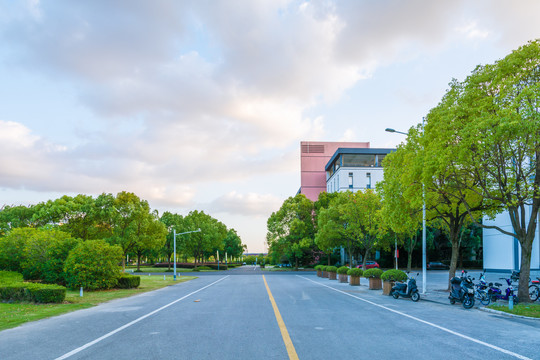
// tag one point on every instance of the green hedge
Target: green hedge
(7, 277)
(394, 275)
(355, 272)
(373, 273)
(127, 281)
(342, 270)
(215, 266)
(39, 293)
(318, 267)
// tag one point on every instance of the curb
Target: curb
(507, 314)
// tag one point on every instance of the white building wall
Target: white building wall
(503, 252)
(339, 181)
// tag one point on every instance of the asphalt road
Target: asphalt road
(229, 315)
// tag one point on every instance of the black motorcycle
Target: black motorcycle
(462, 290)
(407, 290)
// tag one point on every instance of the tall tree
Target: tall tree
(494, 128)
(173, 222)
(291, 229)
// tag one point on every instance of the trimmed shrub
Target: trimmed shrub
(373, 273)
(331, 269)
(7, 277)
(318, 267)
(394, 275)
(355, 272)
(40, 293)
(178, 265)
(342, 270)
(44, 293)
(93, 264)
(198, 268)
(126, 281)
(323, 267)
(215, 266)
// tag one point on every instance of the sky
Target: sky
(201, 105)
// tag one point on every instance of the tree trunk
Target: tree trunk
(453, 261)
(525, 270)
(138, 261)
(169, 262)
(409, 260)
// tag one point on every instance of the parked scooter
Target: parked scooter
(495, 292)
(406, 290)
(481, 291)
(462, 290)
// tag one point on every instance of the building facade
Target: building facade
(353, 169)
(314, 155)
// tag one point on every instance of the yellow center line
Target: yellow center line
(284, 333)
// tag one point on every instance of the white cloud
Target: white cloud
(472, 31)
(252, 204)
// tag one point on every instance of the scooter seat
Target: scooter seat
(498, 284)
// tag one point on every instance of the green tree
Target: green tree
(493, 124)
(398, 212)
(173, 222)
(203, 244)
(151, 235)
(291, 229)
(93, 265)
(134, 227)
(233, 244)
(44, 254)
(15, 217)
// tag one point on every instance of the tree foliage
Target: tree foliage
(291, 229)
(486, 137)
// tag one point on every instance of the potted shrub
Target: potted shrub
(324, 271)
(332, 272)
(389, 277)
(342, 274)
(374, 276)
(354, 275)
(319, 270)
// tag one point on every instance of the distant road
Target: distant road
(236, 315)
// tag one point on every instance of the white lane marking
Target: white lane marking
(427, 323)
(85, 346)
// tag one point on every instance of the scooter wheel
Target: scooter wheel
(452, 301)
(415, 296)
(468, 302)
(395, 294)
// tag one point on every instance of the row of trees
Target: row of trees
(126, 221)
(303, 230)
(477, 155)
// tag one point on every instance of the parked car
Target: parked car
(369, 265)
(436, 265)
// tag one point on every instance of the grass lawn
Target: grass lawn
(531, 310)
(12, 315)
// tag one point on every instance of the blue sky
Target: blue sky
(202, 104)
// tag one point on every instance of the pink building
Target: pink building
(314, 155)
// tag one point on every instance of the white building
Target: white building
(502, 252)
(355, 169)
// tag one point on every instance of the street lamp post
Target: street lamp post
(424, 265)
(174, 238)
